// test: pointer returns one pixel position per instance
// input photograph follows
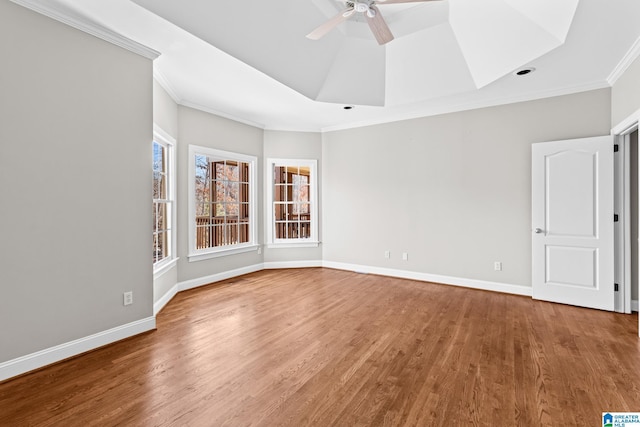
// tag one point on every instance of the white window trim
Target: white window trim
(310, 242)
(252, 245)
(163, 138)
(163, 267)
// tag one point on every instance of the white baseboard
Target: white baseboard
(164, 299)
(292, 264)
(435, 278)
(201, 281)
(60, 352)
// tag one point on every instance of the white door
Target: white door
(572, 222)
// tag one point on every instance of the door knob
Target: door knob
(538, 230)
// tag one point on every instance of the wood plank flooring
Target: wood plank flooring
(333, 348)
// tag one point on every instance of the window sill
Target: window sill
(163, 267)
(222, 252)
(293, 244)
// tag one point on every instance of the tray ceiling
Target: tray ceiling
(441, 48)
(250, 60)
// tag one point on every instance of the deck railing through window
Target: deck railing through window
(219, 231)
(296, 227)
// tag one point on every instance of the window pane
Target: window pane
(158, 157)
(243, 230)
(230, 233)
(281, 230)
(291, 203)
(305, 230)
(219, 194)
(163, 185)
(161, 246)
(232, 192)
(231, 172)
(301, 209)
(202, 171)
(279, 174)
(162, 201)
(244, 193)
(203, 209)
(161, 217)
(244, 211)
(302, 194)
(202, 180)
(227, 188)
(217, 237)
(203, 220)
(202, 237)
(157, 251)
(157, 185)
(220, 209)
(280, 193)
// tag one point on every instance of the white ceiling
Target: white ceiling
(249, 60)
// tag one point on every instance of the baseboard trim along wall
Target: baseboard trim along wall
(434, 278)
(45, 357)
(164, 299)
(274, 265)
(201, 281)
(424, 277)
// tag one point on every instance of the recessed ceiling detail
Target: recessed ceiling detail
(440, 48)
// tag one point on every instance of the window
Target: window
(163, 199)
(222, 201)
(292, 195)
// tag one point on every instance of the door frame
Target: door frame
(622, 229)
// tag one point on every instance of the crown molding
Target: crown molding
(632, 54)
(221, 114)
(165, 84)
(83, 24)
(438, 109)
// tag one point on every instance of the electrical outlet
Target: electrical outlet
(128, 298)
(497, 266)
(259, 250)
(405, 256)
(387, 254)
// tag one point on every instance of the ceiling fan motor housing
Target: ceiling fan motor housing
(364, 7)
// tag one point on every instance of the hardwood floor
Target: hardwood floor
(325, 347)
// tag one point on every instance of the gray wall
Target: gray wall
(75, 183)
(454, 191)
(625, 95)
(207, 130)
(295, 145)
(165, 110)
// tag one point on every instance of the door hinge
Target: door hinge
(615, 287)
(615, 217)
(616, 147)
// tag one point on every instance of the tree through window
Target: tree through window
(222, 199)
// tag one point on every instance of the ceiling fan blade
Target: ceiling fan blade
(401, 1)
(330, 24)
(379, 27)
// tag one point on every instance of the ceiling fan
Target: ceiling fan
(368, 8)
